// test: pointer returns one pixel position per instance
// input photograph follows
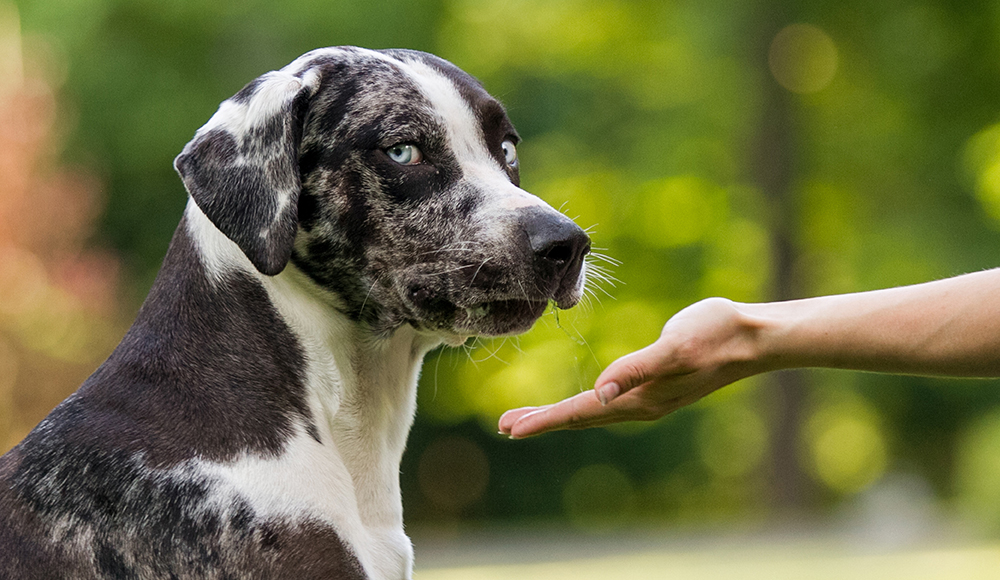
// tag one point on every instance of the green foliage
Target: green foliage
(645, 121)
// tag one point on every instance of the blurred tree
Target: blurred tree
(59, 313)
(774, 170)
(754, 150)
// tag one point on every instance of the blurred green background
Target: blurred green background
(751, 149)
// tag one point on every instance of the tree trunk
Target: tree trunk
(774, 171)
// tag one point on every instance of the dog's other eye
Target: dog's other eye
(405, 154)
(509, 152)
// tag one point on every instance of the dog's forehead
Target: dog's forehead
(449, 87)
(391, 79)
(453, 108)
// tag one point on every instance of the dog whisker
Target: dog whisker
(477, 271)
(587, 300)
(365, 301)
(493, 353)
(600, 275)
(456, 269)
(597, 254)
(606, 293)
(523, 291)
(454, 247)
(515, 341)
(433, 252)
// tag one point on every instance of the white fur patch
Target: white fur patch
(270, 98)
(465, 135)
(362, 397)
(310, 481)
(218, 254)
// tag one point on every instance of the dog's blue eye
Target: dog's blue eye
(405, 154)
(510, 152)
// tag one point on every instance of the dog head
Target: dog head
(390, 178)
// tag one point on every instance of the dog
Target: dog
(346, 214)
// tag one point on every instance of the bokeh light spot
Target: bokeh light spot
(982, 164)
(803, 58)
(847, 447)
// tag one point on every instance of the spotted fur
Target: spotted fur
(251, 422)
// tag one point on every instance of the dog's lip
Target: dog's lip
(503, 306)
(500, 317)
(472, 312)
(503, 314)
(564, 300)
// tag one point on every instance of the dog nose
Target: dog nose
(557, 243)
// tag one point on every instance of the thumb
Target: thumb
(626, 373)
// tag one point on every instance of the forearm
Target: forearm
(947, 327)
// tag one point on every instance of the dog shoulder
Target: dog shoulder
(70, 504)
(23, 551)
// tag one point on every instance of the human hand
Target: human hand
(704, 347)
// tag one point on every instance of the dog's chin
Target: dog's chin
(499, 318)
(457, 319)
(495, 318)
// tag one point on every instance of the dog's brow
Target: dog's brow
(464, 129)
(495, 119)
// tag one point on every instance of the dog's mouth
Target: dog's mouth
(499, 317)
(501, 293)
(490, 318)
(503, 315)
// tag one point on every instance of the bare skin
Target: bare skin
(948, 327)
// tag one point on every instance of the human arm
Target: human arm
(947, 327)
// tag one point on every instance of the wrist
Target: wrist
(765, 328)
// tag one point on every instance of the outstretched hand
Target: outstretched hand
(947, 327)
(702, 348)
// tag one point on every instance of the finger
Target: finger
(628, 372)
(508, 419)
(573, 413)
(582, 412)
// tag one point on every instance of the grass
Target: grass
(746, 559)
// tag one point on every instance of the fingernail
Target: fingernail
(608, 392)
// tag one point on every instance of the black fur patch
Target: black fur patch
(237, 180)
(207, 371)
(210, 370)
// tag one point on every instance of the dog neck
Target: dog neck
(362, 388)
(361, 395)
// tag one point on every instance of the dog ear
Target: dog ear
(242, 167)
